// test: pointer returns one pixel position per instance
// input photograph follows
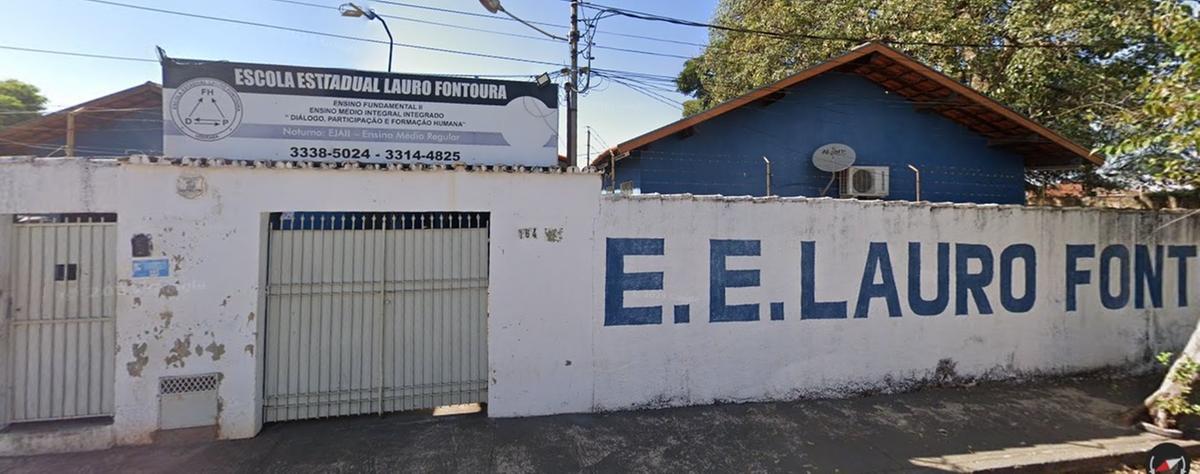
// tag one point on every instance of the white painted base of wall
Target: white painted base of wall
(55, 441)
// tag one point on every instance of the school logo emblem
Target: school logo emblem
(206, 109)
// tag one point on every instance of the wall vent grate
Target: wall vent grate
(187, 384)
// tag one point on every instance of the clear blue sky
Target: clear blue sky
(614, 111)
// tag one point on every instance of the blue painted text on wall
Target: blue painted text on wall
(1124, 275)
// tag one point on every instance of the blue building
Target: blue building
(119, 124)
(898, 117)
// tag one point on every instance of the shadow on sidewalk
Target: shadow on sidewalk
(879, 433)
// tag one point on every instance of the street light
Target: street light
(494, 6)
(354, 11)
(572, 86)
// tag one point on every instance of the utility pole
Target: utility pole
(587, 159)
(573, 84)
(573, 87)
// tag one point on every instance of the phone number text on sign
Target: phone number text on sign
(365, 154)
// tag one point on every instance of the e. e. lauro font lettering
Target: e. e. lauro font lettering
(377, 85)
(1121, 275)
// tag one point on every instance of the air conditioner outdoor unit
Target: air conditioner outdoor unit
(865, 181)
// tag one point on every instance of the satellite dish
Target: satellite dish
(833, 157)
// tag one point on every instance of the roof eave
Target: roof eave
(33, 122)
(854, 54)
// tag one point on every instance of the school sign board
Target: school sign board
(218, 109)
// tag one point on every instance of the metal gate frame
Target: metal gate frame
(415, 308)
(64, 343)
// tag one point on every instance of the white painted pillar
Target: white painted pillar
(264, 223)
(7, 235)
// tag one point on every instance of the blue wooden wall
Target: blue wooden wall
(724, 156)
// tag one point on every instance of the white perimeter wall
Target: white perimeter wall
(702, 362)
(213, 242)
(549, 348)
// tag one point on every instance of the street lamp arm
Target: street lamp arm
(391, 43)
(572, 85)
(526, 23)
(351, 10)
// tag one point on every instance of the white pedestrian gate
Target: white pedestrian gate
(61, 327)
(374, 312)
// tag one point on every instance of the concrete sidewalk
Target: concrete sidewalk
(987, 427)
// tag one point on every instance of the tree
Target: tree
(1162, 133)
(1065, 63)
(690, 82)
(1164, 138)
(19, 101)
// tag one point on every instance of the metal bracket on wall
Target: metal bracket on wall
(832, 177)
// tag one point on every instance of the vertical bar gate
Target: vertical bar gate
(61, 331)
(374, 312)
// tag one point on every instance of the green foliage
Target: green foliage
(1089, 176)
(1163, 132)
(1183, 377)
(19, 102)
(1074, 90)
(690, 80)
(692, 107)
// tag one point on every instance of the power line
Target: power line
(641, 75)
(599, 6)
(649, 93)
(805, 36)
(427, 22)
(82, 55)
(647, 53)
(130, 58)
(599, 138)
(489, 31)
(321, 33)
(482, 15)
(325, 34)
(646, 84)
